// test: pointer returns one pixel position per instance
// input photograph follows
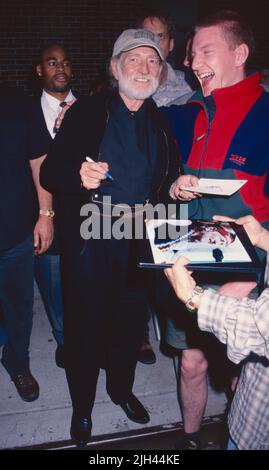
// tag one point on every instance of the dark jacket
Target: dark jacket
(19, 143)
(81, 135)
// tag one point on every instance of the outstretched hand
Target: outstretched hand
(177, 192)
(256, 233)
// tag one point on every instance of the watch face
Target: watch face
(190, 304)
(47, 212)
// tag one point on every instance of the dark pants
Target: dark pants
(48, 279)
(105, 302)
(16, 300)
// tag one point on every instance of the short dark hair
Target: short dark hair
(163, 16)
(49, 46)
(235, 28)
(188, 44)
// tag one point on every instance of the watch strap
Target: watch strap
(190, 304)
(47, 212)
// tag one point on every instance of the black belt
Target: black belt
(125, 210)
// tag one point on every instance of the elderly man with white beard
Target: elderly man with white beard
(130, 157)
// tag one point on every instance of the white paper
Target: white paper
(219, 187)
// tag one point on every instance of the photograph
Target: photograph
(221, 245)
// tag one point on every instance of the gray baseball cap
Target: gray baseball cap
(132, 38)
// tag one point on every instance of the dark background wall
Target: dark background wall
(86, 27)
(256, 13)
(89, 27)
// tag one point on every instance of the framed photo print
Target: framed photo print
(209, 245)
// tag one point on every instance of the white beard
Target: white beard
(127, 85)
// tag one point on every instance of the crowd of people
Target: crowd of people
(139, 140)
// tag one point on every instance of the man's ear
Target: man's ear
(113, 67)
(242, 53)
(171, 44)
(38, 70)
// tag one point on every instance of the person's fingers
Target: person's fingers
(247, 219)
(104, 166)
(182, 261)
(222, 218)
(168, 272)
(36, 239)
(93, 170)
(179, 264)
(187, 195)
(91, 184)
(94, 173)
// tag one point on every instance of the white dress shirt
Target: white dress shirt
(51, 109)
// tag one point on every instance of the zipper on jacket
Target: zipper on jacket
(204, 147)
(205, 134)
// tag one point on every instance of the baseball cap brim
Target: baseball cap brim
(141, 44)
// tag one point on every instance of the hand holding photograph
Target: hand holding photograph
(207, 244)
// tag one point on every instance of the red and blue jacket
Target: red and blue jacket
(234, 145)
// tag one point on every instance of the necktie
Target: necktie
(65, 105)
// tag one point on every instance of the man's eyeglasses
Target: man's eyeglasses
(163, 35)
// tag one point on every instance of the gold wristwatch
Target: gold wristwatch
(190, 304)
(47, 212)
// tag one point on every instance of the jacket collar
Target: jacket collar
(250, 87)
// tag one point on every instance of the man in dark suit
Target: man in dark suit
(55, 73)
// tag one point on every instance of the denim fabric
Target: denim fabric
(48, 279)
(231, 445)
(16, 303)
(3, 335)
(3, 332)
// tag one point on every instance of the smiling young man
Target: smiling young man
(217, 61)
(221, 133)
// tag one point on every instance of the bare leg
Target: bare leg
(193, 388)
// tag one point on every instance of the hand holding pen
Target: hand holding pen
(107, 174)
(93, 173)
